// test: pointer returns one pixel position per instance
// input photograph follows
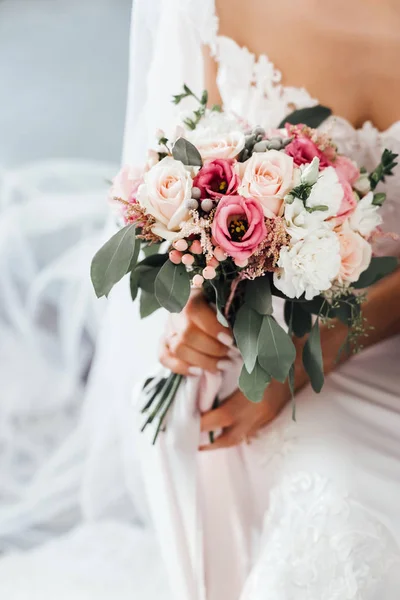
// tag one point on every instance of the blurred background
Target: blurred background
(63, 79)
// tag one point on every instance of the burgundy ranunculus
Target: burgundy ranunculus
(217, 178)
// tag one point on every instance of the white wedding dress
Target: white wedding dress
(308, 511)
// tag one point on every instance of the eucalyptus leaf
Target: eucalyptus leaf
(258, 295)
(134, 284)
(218, 301)
(113, 260)
(276, 351)
(148, 304)
(312, 358)
(172, 287)
(297, 319)
(151, 249)
(253, 384)
(187, 153)
(246, 331)
(313, 116)
(135, 256)
(379, 267)
(148, 269)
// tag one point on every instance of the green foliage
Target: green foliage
(312, 117)
(253, 384)
(198, 114)
(187, 153)
(297, 319)
(384, 169)
(276, 351)
(312, 358)
(246, 331)
(258, 295)
(114, 260)
(148, 304)
(380, 267)
(172, 287)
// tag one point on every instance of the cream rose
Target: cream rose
(167, 187)
(355, 253)
(218, 136)
(267, 177)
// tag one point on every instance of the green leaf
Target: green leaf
(379, 267)
(135, 256)
(313, 116)
(151, 249)
(148, 270)
(276, 351)
(148, 304)
(187, 153)
(134, 284)
(113, 260)
(312, 358)
(379, 199)
(258, 295)
(172, 287)
(297, 319)
(218, 301)
(246, 331)
(253, 384)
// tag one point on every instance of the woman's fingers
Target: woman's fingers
(197, 339)
(230, 437)
(218, 418)
(201, 314)
(194, 357)
(175, 364)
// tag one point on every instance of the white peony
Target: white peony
(167, 187)
(300, 222)
(327, 191)
(309, 266)
(366, 218)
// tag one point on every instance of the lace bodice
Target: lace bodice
(252, 88)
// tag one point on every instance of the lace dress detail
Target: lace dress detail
(318, 544)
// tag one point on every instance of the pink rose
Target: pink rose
(217, 178)
(238, 226)
(302, 149)
(268, 177)
(126, 183)
(348, 204)
(346, 169)
(355, 253)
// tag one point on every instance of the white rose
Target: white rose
(167, 187)
(310, 266)
(217, 136)
(366, 218)
(267, 177)
(327, 191)
(300, 222)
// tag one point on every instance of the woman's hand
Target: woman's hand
(241, 419)
(195, 340)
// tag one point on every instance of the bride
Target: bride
(306, 510)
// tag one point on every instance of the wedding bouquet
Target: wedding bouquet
(247, 214)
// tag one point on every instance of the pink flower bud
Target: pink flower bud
(219, 254)
(213, 262)
(196, 247)
(209, 273)
(175, 257)
(160, 133)
(198, 280)
(241, 262)
(181, 245)
(188, 259)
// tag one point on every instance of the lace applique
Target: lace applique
(318, 544)
(203, 17)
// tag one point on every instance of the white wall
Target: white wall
(63, 70)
